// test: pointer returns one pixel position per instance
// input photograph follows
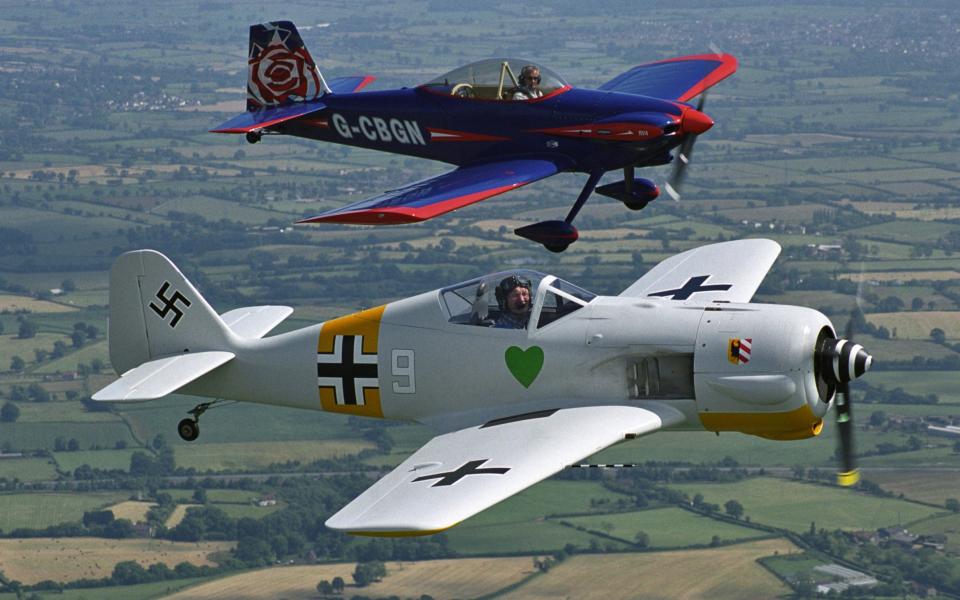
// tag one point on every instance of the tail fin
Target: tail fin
(281, 70)
(155, 312)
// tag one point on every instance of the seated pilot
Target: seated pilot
(529, 84)
(513, 297)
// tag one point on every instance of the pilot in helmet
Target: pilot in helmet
(529, 84)
(514, 300)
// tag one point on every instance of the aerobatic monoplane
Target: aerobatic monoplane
(521, 374)
(503, 122)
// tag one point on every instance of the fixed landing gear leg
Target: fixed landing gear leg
(189, 429)
(556, 236)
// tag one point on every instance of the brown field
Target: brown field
(901, 275)
(65, 559)
(729, 572)
(801, 139)
(131, 509)
(9, 302)
(231, 106)
(454, 578)
(177, 515)
(926, 486)
(917, 325)
(252, 455)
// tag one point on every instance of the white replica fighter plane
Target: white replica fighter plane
(517, 388)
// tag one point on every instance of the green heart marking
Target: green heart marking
(524, 365)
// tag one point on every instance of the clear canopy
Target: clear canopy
(495, 79)
(487, 301)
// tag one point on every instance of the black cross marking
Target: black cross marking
(169, 304)
(691, 287)
(347, 370)
(470, 468)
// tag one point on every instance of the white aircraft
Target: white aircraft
(680, 349)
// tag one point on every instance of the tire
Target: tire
(556, 248)
(188, 429)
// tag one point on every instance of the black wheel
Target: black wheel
(253, 136)
(554, 247)
(636, 205)
(188, 429)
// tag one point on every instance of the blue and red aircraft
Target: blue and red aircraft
(502, 132)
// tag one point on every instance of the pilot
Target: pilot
(513, 297)
(529, 84)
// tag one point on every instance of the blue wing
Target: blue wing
(676, 78)
(441, 194)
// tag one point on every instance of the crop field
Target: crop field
(928, 485)
(941, 383)
(441, 579)
(666, 527)
(28, 469)
(39, 510)
(132, 510)
(178, 514)
(98, 459)
(918, 325)
(729, 572)
(66, 559)
(253, 455)
(142, 591)
(794, 505)
(30, 436)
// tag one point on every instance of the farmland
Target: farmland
(837, 137)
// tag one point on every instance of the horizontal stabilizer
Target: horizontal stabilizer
(679, 78)
(348, 85)
(255, 321)
(267, 117)
(160, 377)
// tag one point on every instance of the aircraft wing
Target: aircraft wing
(441, 194)
(676, 78)
(458, 474)
(727, 272)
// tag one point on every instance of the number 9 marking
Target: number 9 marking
(401, 365)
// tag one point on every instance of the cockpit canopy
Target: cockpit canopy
(492, 79)
(477, 302)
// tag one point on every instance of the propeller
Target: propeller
(840, 361)
(693, 122)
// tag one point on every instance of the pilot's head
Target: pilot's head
(513, 295)
(530, 76)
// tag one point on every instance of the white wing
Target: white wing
(255, 321)
(728, 271)
(458, 474)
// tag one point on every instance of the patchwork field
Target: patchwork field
(39, 510)
(65, 559)
(442, 579)
(729, 572)
(918, 325)
(253, 455)
(926, 486)
(132, 510)
(794, 505)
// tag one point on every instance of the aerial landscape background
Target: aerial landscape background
(838, 137)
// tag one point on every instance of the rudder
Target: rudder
(280, 68)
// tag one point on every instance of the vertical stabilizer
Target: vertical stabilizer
(280, 69)
(156, 312)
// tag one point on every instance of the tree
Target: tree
(200, 496)
(9, 413)
(338, 584)
(641, 540)
(17, 364)
(325, 587)
(878, 418)
(952, 504)
(733, 508)
(27, 329)
(368, 572)
(938, 335)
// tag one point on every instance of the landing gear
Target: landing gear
(253, 136)
(635, 193)
(189, 429)
(556, 236)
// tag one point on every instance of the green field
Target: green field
(142, 591)
(793, 505)
(28, 469)
(39, 510)
(666, 527)
(98, 459)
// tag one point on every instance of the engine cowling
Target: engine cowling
(757, 369)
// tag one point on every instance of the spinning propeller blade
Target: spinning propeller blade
(692, 123)
(841, 361)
